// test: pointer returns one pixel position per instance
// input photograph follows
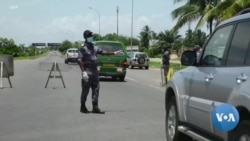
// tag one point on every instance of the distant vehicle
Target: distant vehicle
(71, 55)
(219, 76)
(112, 65)
(138, 59)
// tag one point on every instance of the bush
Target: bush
(151, 52)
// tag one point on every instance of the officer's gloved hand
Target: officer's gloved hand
(85, 75)
(119, 52)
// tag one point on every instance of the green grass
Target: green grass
(31, 57)
(155, 64)
(176, 66)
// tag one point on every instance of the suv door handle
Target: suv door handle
(209, 77)
(241, 78)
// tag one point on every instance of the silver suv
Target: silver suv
(71, 55)
(138, 59)
(218, 76)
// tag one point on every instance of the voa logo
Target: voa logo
(225, 117)
(222, 116)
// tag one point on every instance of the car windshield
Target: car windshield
(141, 55)
(73, 51)
(110, 46)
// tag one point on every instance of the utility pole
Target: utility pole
(117, 11)
(132, 24)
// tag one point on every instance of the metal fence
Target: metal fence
(173, 67)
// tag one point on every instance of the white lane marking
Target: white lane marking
(130, 79)
(150, 85)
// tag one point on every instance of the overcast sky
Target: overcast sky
(29, 21)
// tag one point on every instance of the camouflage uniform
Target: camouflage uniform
(88, 55)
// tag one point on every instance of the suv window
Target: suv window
(215, 48)
(142, 55)
(73, 51)
(240, 44)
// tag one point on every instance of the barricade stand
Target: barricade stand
(3, 69)
(55, 68)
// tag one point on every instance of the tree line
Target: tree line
(149, 41)
(8, 46)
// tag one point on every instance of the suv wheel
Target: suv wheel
(172, 123)
(240, 133)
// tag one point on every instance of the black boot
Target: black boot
(96, 109)
(84, 109)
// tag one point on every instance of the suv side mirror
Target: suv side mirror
(189, 58)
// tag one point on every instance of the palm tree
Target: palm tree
(225, 9)
(199, 37)
(167, 38)
(193, 38)
(192, 11)
(145, 36)
(189, 39)
(235, 7)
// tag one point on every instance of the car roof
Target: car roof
(236, 18)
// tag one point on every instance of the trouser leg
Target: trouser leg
(166, 68)
(85, 91)
(95, 86)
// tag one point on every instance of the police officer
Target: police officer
(166, 63)
(90, 76)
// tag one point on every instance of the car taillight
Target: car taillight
(124, 63)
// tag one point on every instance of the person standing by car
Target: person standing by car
(90, 75)
(165, 63)
(198, 50)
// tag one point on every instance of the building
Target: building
(132, 48)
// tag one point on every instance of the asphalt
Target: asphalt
(135, 108)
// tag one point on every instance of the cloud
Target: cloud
(59, 29)
(12, 7)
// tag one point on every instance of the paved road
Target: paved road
(30, 112)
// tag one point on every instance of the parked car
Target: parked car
(220, 76)
(71, 55)
(138, 59)
(112, 65)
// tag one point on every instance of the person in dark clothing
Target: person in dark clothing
(165, 63)
(198, 50)
(90, 75)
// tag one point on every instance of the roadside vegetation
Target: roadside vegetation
(175, 66)
(8, 46)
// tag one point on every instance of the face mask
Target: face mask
(90, 39)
